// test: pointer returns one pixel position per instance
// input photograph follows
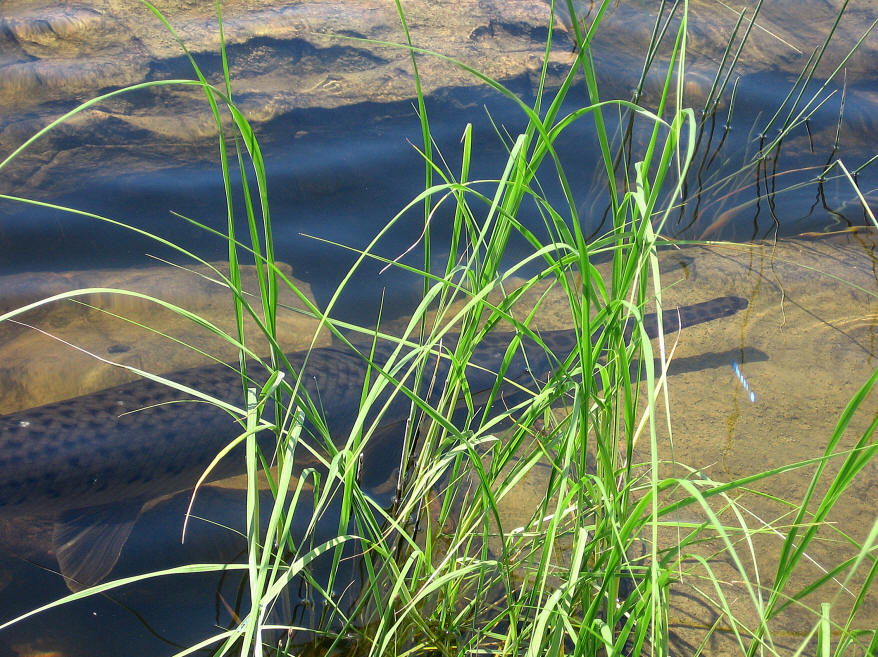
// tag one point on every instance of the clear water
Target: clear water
(339, 173)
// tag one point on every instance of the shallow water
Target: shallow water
(335, 125)
(818, 331)
(341, 163)
(806, 344)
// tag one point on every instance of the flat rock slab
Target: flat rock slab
(65, 347)
(806, 343)
(321, 55)
(74, 51)
(284, 56)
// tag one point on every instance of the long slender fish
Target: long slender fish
(90, 463)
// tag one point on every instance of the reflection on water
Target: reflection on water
(335, 118)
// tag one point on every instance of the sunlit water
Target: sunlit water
(339, 172)
(806, 343)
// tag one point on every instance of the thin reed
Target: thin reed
(590, 569)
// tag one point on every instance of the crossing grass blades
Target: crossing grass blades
(443, 572)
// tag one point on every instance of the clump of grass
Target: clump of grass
(589, 571)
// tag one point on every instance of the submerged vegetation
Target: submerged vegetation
(614, 528)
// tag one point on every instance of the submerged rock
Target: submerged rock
(322, 55)
(38, 364)
(282, 56)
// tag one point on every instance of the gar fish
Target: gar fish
(91, 462)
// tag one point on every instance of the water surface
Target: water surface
(338, 128)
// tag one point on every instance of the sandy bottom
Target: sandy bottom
(805, 344)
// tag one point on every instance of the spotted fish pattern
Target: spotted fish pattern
(140, 440)
(134, 436)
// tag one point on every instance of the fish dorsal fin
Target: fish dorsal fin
(88, 541)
